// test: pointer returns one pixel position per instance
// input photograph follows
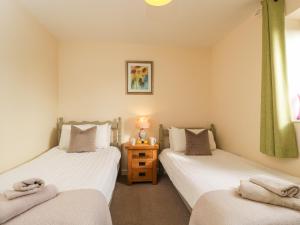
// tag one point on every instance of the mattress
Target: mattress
(70, 171)
(195, 175)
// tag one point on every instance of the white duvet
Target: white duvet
(196, 175)
(69, 171)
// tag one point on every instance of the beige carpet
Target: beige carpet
(147, 204)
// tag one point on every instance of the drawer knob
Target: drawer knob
(142, 154)
(142, 174)
(142, 163)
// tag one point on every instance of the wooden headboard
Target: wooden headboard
(164, 135)
(115, 128)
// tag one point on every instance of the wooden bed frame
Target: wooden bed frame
(116, 128)
(165, 143)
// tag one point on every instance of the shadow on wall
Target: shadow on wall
(53, 141)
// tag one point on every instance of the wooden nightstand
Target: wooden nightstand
(142, 163)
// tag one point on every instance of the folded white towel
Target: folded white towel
(11, 194)
(278, 186)
(257, 193)
(12, 208)
(29, 184)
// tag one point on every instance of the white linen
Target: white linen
(70, 171)
(195, 175)
(103, 135)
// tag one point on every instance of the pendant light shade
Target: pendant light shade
(158, 2)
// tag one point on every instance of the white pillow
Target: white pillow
(108, 139)
(102, 136)
(171, 138)
(64, 140)
(177, 139)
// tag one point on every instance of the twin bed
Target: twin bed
(73, 171)
(196, 177)
(96, 170)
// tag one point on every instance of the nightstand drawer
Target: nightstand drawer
(142, 174)
(140, 154)
(142, 163)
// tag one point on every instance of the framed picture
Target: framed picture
(139, 77)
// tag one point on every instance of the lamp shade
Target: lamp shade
(143, 123)
(158, 2)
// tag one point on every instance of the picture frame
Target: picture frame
(139, 77)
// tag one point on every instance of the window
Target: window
(293, 64)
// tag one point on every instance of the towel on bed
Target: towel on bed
(278, 186)
(257, 193)
(28, 184)
(226, 207)
(11, 194)
(77, 207)
(25, 187)
(12, 208)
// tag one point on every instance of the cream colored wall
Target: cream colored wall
(292, 5)
(28, 86)
(235, 95)
(92, 85)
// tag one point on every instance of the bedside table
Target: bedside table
(142, 163)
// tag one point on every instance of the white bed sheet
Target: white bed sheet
(196, 175)
(69, 171)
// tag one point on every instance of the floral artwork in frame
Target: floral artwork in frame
(139, 77)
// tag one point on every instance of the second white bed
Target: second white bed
(70, 171)
(196, 175)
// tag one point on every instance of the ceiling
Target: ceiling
(193, 23)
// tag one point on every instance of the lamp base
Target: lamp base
(140, 141)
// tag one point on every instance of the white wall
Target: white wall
(28, 86)
(235, 95)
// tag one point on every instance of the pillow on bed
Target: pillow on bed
(82, 140)
(103, 135)
(177, 139)
(211, 138)
(197, 143)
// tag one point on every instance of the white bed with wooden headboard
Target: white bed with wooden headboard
(68, 171)
(194, 176)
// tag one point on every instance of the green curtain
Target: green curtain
(277, 133)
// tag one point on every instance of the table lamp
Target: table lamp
(143, 123)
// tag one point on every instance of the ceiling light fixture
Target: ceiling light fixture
(158, 2)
